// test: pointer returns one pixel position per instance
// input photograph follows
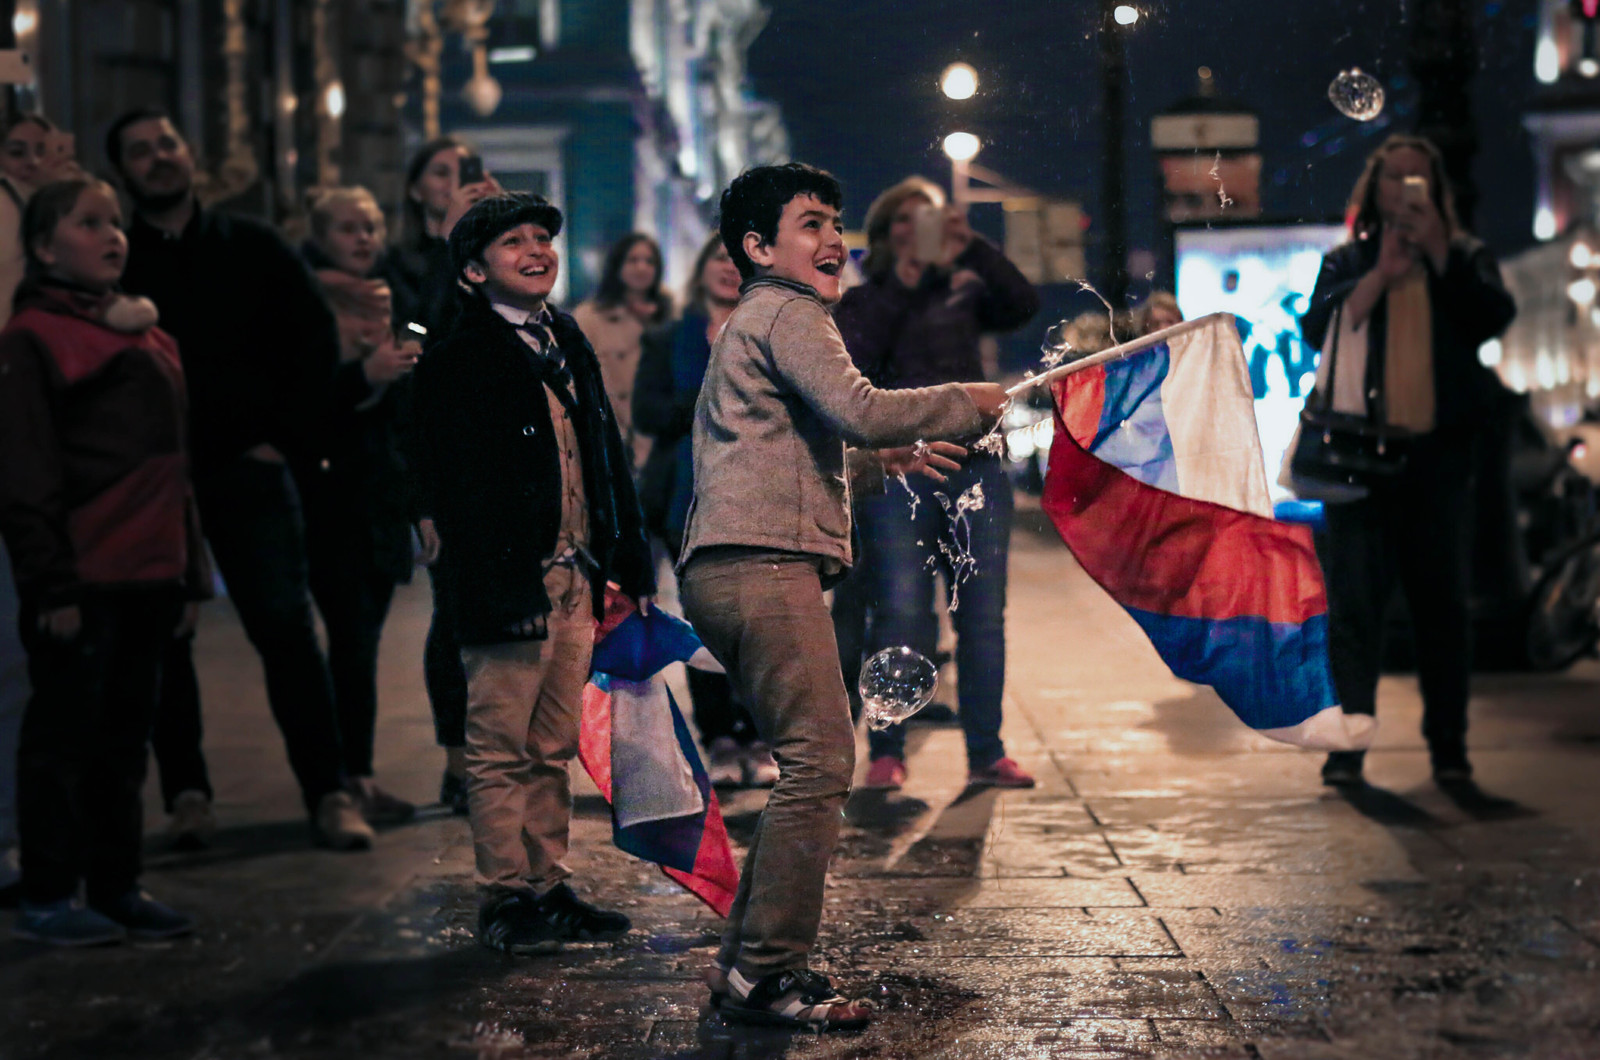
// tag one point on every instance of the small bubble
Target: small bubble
(1357, 95)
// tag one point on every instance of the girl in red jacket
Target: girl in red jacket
(98, 518)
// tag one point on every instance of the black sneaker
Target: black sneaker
(146, 918)
(1343, 768)
(572, 918)
(511, 924)
(1450, 765)
(453, 793)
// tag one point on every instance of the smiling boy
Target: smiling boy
(768, 530)
(522, 466)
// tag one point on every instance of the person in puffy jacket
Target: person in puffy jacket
(99, 518)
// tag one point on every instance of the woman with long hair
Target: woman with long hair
(1408, 298)
(664, 395)
(913, 323)
(417, 262)
(628, 302)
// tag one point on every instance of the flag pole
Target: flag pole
(1116, 353)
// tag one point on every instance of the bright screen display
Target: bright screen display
(1263, 275)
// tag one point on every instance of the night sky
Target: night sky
(857, 80)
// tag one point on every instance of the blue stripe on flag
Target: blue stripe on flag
(1133, 429)
(1272, 675)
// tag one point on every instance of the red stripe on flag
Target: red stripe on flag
(594, 737)
(1081, 397)
(1177, 556)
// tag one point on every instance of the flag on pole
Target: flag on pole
(637, 748)
(1157, 484)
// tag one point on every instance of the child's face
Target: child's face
(353, 237)
(809, 247)
(87, 247)
(519, 266)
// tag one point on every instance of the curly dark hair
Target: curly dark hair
(755, 200)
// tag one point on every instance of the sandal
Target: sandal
(793, 998)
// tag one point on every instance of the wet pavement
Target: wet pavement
(1175, 887)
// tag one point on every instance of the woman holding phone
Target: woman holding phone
(933, 287)
(1415, 295)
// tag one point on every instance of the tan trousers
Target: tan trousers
(524, 708)
(761, 614)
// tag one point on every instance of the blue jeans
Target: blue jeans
(903, 555)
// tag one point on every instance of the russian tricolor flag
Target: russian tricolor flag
(638, 750)
(1157, 485)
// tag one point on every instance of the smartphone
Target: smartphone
(1415, 190)
(929, 233)
(469, 170)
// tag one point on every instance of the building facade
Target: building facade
(629, 114)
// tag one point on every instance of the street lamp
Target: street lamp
(959, 81)
(961, 148)
(1125, 15)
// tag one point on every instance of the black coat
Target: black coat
(1469, 306)
(489, 473)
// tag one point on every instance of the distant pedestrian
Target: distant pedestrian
(523, 469)
(768, 531)
(99, 518)
(916, 323)
(1409, 298)
(424, 288)
(261, 353)
(1158, 311)
(629, 302)
(358, 526)
(664, 396)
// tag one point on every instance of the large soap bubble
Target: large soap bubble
(1357, 95)
(895, 684)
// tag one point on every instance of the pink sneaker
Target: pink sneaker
(1003, 774)
(885, 774)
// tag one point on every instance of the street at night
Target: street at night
(1174, 887)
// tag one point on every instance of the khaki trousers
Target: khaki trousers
(524, 708)
(761, 614)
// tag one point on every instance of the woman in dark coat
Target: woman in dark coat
(1423, 295)
(917, 323)
(664, 394)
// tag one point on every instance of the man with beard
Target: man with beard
(260, 351)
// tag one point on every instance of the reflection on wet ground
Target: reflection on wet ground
(1174, 888)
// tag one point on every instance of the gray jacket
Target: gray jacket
(781, 401)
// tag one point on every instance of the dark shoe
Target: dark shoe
(66, 923)
(1343, 768)
(453, 793)
(338, 824)
(800, 998)
(1450, 765)
(379, 807)
(511, 924)
(146, 918)
(575, 919)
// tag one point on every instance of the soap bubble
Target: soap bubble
(1357, 95)
(895, 684)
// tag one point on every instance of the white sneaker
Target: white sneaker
(725, 763)
(193, 822)
(338, 823)
(760, 768)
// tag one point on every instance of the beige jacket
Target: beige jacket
(781, 401)
(618, 340)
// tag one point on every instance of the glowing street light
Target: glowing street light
(959, 81)
(1125, 15)
(961, 146)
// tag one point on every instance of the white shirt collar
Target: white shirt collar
(519, 317)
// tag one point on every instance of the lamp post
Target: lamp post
(1114, 17)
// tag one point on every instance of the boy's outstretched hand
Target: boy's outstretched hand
(930, 459)
(990, 398)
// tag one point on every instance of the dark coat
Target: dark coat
(1470, 306)
(903, 337)
(665, 391)
(489, 473)
(260, 348)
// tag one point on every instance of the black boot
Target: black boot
(1343, 768)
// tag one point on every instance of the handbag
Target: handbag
(1339, 456)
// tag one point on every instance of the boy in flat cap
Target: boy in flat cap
(520, 463)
